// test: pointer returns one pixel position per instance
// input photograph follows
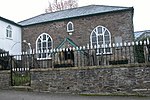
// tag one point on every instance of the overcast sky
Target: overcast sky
(18, 10)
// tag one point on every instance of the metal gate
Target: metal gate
(20, 70)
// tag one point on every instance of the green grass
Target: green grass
(20, 79)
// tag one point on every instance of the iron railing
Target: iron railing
(114, 54)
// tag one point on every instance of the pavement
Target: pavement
(23, 95)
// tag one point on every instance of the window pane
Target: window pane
(70, 26)
(101, 50)
(94, 43)
(39, 40)
(39, 45)
(107, 38)
(49, 39)
(94, 37)
(49, 45)
(44, 44)
(43, 55)
(44, 37)
(39, 55)
(99, 30)
(100, 38)
(107, 50)
(106, 33)
(9, 31)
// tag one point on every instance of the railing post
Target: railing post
(11, 70)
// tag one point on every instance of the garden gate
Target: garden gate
(20, 70)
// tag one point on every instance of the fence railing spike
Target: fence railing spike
(117, 44)
(26, 52)
(54, 50)
(110, 45)
(103, 45)
(88, 46)
(129, 44)
(80, 47)
(77, 48)
(73, 48)
(67, 49)
(84, 48)
(98, 46)
(125, 44)
(57, 50)
(106, 45)
(70, 48)
(144, 42)
(95, 46)
(148, 41)
(133, 43)
(137, 43)
(91, 46)
(113, 44)
(141, 42)
(60, 49)
(23, 53)
(63, 49)
(121, 44)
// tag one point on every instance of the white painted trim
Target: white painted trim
(104, 29)
(71, 25)
(47, 56)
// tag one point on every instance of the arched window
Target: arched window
(101, 37)
(9, 31)
(44, 44)
(70, 27)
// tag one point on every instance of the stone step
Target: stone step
(22, 88)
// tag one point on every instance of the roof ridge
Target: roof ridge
(70, 13)
(54, 12)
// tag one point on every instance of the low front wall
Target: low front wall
(111, 79)
(5, 79)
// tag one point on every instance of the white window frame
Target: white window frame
(46, 51)
(104, 45)
(72, 27)
(9, 32)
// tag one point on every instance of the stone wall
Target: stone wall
(5, 79)
(112, 79)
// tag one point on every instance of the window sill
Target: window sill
(9, 38)
(70, 31)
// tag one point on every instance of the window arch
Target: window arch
(101, 37)
(70, 27)
(44, 44)
(9, 31)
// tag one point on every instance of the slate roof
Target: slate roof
(72, 13)
(141, 34)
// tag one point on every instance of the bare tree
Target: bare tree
(61, 5)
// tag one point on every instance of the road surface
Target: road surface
(22, 95)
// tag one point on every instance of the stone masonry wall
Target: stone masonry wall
(119, 79)
(4, 79)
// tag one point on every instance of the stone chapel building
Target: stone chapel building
(88, 25)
